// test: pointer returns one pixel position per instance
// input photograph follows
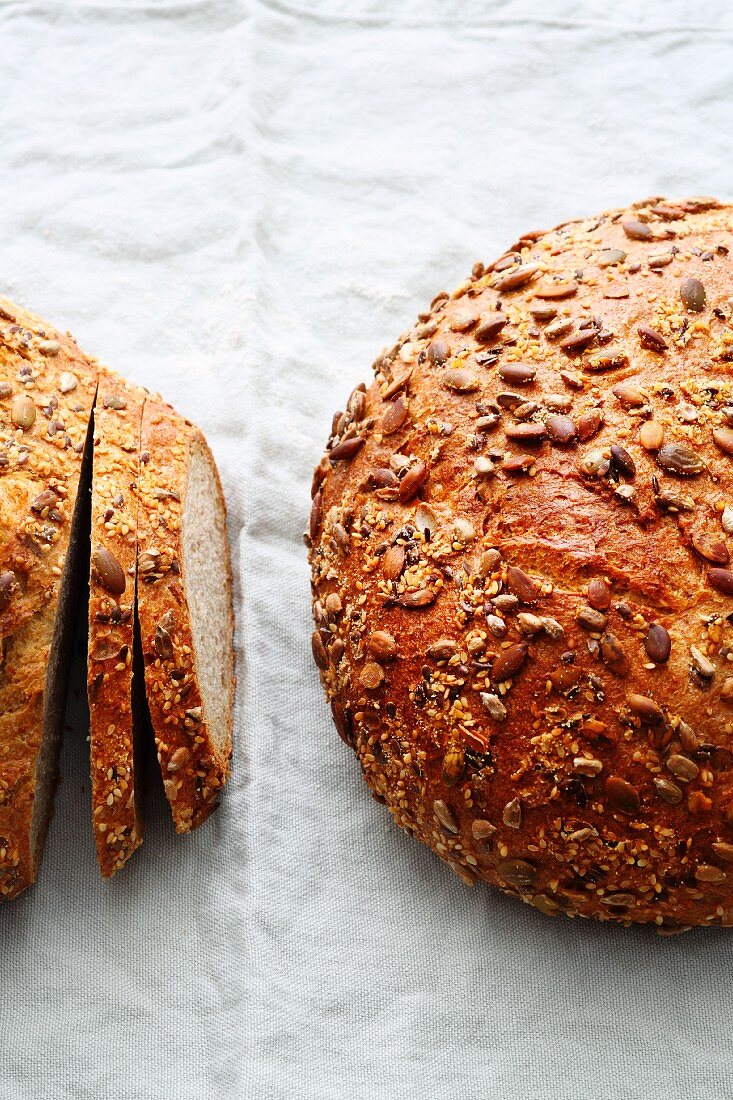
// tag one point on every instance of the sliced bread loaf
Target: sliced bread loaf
(47, 390)
(112, 576)
(185, 612)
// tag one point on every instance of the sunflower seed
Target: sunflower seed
(644, 708)
(704, 666)
(346, 449)
(668, 791)
(517, 374)
(444, 816)
(712, 549)
(393, 562)
(723, 850)
(563, 288)
(724, 439)
(590, 619)
(608, 359)
(623, 461)
(559, 328)
(482, 829)
(512, 815)
(419, 598)
(599, 594)
(629, 394)
(533, 432)
(443, 649)
(561, 429)
(494, 706)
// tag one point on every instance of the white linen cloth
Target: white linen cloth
(238, 203)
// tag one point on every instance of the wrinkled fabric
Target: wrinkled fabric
(238, 204)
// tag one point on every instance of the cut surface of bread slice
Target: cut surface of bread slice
(112, 576)
(47, 390)
(185, 612)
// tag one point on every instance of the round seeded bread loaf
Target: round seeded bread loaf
(520, 546)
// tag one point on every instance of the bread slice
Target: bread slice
(185, 612)
(112, 577)
(47, 390)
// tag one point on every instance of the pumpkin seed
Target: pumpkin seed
(489, 327)
(724, 439)
(677, 458)
(644, 708)
(588, 424)
(611, 256)
(460, 380)
(621, 795)
(599, 594)
(512, 815)
(395, 416)
(412, 481)
(652, 340)
(517, 374)
(515, 277)
(637, 231)
(563, 288)
(444, 816)
(382, 645)
(533, 432)
(613, 655)
(658, 643)
(561, 429)
(108, 570)
(517, 872)
(722, 579)
(692, 293)
(523, 587)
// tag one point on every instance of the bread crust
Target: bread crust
(520, 541)
(193, 768)
(115, 802)
(47, 389)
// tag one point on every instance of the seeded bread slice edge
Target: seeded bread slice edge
(190, 702)
(116, 812)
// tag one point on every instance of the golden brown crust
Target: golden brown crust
(193, 768)
(47, 388)
(520, 545)
(115, 815)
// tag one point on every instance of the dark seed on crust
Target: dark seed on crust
(693, 295)
(523, 587)
(722, 579)
(346, 449)
(517, 374)
(623, 461)
(414, 600)
(108, 570)
(588, 424)
(590, 619)
(489, 327)
(723, 850)
(561, 429)
(613, 655)
(650, 339)
(650, 713)
(394, 416)
(509, 662)
(573, 345)
(514, 278)
(342, 722)
(412, 481)
(637, 231)
(711, 548)
(444, 816)
(682, 767)
(512, 815)
(621, 795)
(678, 459)
(163, 642)
(438, 351)
(516, 872)
(315, 516)
(599, 594)
(531, 432)
(658, 643)
(543, 311)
